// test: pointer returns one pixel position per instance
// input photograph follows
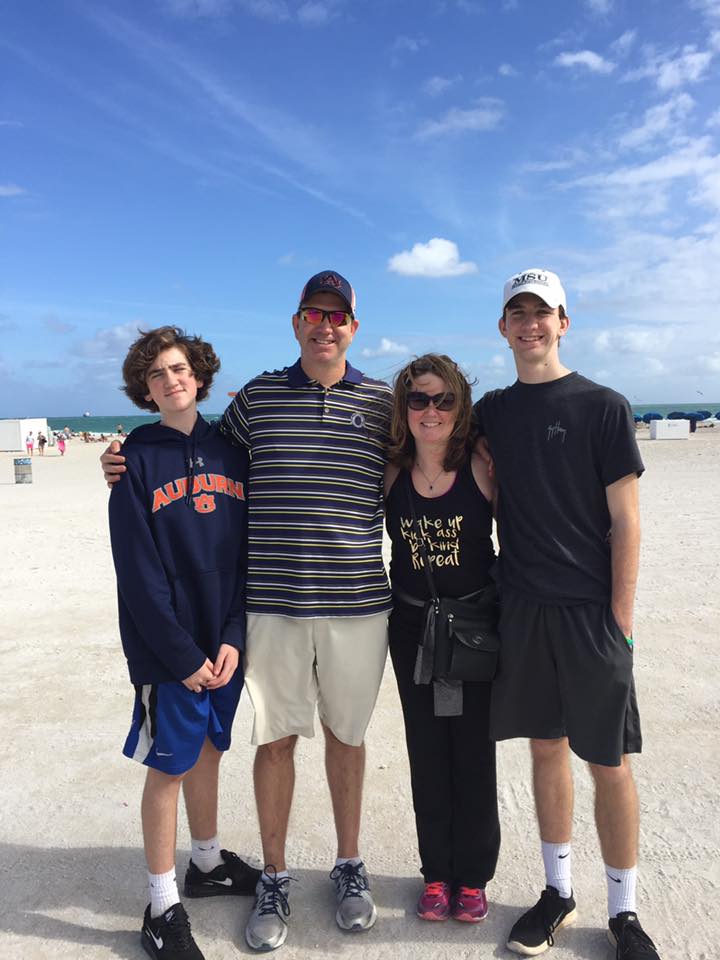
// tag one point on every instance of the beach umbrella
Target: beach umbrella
(647, 417)
(677, 415)
(637, 418)
(717, 415)
(704, 414)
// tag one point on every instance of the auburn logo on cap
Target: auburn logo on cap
(330, 280)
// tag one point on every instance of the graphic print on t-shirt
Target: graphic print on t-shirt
(441, 536)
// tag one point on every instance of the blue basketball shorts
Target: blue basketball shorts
(170, 723)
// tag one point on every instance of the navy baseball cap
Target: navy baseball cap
(329, 282)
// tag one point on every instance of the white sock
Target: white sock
(163, 892)
(206, 854)
(557, 858)
(279, 875)
(341, 860)
(621, 890)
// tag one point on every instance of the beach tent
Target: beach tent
(647, 417)
(13, 432)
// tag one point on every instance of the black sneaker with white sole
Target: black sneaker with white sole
(168, 937)
(629, 939)
(232, 876)
(533, 932)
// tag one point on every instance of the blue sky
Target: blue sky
(194, 161)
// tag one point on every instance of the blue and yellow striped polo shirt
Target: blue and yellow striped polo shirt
(315, 503)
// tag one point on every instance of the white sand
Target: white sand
(71, 856)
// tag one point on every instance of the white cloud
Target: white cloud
(599, 7)
(670, 72)
(621, 47)
(497, 361)
(485, 116)
(436, 258)
(711, 363)
(711, 8)
(315, 13)
(630, 339)
(658, 121)
(386, 348)
(110, 343)
(585, 58)
(568, 159)
(687, 68)
(507, 70)
(406, 44)
(434, 86)
(11, 190)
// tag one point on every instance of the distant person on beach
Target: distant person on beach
(61, 444)
(567, 467)
(42, 440)
(452, 758)
(30, 443)
(120, 430)
(318, 596)
(179, 543)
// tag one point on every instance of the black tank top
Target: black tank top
(456, 528)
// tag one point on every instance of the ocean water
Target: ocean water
(110, 424)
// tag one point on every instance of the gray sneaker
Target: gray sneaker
(266, 928)
(356, 910)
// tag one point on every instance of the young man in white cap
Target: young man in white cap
(567, 465)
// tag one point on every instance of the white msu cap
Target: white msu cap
(543, 283)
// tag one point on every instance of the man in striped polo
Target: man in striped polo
(317, 594)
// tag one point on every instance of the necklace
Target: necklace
(430, 483)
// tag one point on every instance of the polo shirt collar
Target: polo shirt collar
(298, 378)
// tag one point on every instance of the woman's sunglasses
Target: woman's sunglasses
(417, 400)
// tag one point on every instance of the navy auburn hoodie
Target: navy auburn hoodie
(178, 529)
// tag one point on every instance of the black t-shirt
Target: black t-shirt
(556, 447)
(456, 528)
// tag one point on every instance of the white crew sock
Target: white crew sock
(163, 892)
(279, 875)
(621, 890)
(206, 854)
(557, 858)
(341, 860)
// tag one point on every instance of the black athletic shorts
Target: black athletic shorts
(565, 672)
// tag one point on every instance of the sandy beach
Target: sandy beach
(70, 844)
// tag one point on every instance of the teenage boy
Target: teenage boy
(179, 543)
(567, 465)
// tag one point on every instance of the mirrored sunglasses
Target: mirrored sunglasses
(417, 400)
(314, 315)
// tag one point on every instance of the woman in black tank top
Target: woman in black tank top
(452, 759)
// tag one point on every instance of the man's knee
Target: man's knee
(277, 751)
(334, 742)
(549, 751)
(612, 776)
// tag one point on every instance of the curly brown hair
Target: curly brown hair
(145, 351)
(401, 449)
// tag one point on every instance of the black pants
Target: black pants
(452, 768)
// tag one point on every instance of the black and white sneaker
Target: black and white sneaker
(233, 876)
(533, 932)
(629, 939)
(168, 937)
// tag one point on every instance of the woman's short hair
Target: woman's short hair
(401, 450)
(145, 351)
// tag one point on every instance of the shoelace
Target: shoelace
(274, 899)
(541, 912)
(632, 935)
(469, 892)
(178, 928)
(349, 877)
(436, 889)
